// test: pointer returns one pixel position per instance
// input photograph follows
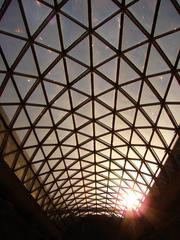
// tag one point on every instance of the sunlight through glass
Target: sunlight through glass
(130, 201)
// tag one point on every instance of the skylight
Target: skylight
(90, 100)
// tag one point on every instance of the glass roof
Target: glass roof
(90, 99)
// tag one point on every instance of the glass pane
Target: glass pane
(11, 52)
(144, 11)
(71, 31)
(12, 20)
(81, 51)
(168, 18)
(101, 51)
(35, 13)
(101, 11)
(131, 34)
(110, 30)
(77, 9)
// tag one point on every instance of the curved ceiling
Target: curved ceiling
(90, 99)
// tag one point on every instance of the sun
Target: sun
(130, 201)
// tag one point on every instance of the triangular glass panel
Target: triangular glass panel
(146, 133)
(131, 34)
(102, 11)
(45, 120)
(37, 96)
(2, 68)
(168, 135)
(50, 30)
(175, 112)
(9, 94)
(156, 141)
(107, 138)
(141, 121)
(39, 156)
(81, 51)
(150, 156)
(109, 69)
(108, 98)
(41, 133)
(147, 95)
(156, 63)
(71, 140)
(108, 120)
(122, 101)
(89, 145)
(52, 89)
(12, 20)
(125, 134)
(117, 141)
(132, 154)
(31, 140)
(63, 101)
(51, 139)
(144, 12)
(136, 139)
(119, 124)
(137, 163)
(74, 69)
(164, 120)
(67, 123)
(174, 92)
(152, 111)
(141, 150)
(56, 154)
(34, 112)
(70, 30)
(171, 50)
(137, 56)
(101, 52)
(168, 18)
(133, 89)
(47, 150)
(100, 110)
(62, 134)
(57, 114)
(19, 135)
(129, 115)
(86, 110)
(100, 84)
(87, 130)
(84, 84)
(99, 130)
(81, 138)
(110, 30)
(9, 111)
(24, 84)
(160, 83)
(45, 57)
(11, 52)
(27, 64)
(126, 72)
(40, 12)
(57, 73)
(77, 9)
(79, 120)
(77, 98)
(74, 154)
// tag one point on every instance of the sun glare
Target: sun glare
(130, 201)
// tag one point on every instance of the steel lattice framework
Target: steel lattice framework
(90, 99)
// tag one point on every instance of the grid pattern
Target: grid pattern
(90, 99)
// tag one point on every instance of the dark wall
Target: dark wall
(15, 225)
(94, 228)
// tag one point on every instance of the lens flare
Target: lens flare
(130, 201)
